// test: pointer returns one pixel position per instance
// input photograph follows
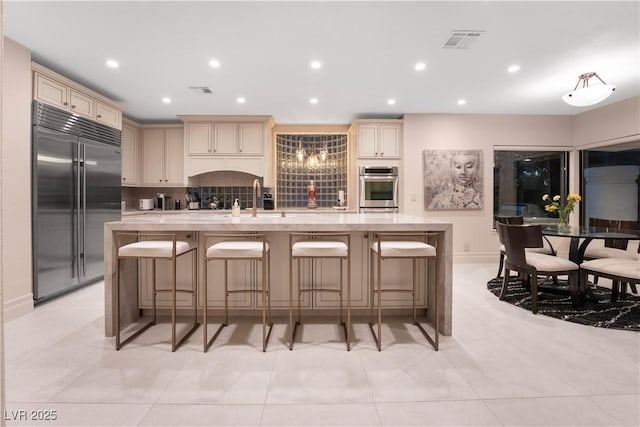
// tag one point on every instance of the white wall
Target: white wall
(472, 229)
(614, 123)
(16, 180)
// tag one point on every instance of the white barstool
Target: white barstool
(155, 249)
(319, 245)
(412, 246)
(234, 247)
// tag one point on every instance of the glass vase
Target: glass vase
(563, 222)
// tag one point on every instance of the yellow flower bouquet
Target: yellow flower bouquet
(563, 209)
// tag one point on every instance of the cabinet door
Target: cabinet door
(250, 138)
(225, 138)
(153, 157)
(81, 104)
(129, 156)
(368, 141)
(200, 137)
(389, 141)
(52, 92)
(174, 157)
(108, 115)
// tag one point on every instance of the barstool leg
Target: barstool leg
(340, 294)
(371, 284)
(264, 307)
(413, 293)
(349, 298)
(173, 305)
(290, 298)
(299, 294)
(205, 338)
(117, 302)
(379, 300)
(155, 291)
(226, 295)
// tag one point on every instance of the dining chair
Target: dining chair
(548, 249)
(517, 238)
(621, 272)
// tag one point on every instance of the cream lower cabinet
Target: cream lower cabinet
(163, 279)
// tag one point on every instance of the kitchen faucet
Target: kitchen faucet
(256, 190)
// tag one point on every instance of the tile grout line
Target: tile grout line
(266, 395)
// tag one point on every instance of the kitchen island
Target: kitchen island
(193, 225)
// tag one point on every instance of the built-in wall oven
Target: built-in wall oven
(378, 188)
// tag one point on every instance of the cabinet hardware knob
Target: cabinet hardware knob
(98, 116)
(124, 179)
(159, 180)
(381, 154)
(73, 106)
(65, 103)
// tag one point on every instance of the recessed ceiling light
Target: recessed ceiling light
(214, 63)
(112, 63)
(462, 101)
(313, 100)
(420, 66)
(391, 101)
(241, 100)
(166, 100)
(513, 68)
(316, 65)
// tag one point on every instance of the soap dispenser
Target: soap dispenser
(235, 209)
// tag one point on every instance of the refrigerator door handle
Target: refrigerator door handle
(84, 210)
(75, 267)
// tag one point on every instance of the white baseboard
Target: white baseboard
(476, 257)
(18, 307)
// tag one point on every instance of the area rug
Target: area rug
(624, 314)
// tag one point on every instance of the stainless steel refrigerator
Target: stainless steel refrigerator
(76, 189)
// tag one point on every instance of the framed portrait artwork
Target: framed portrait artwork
(452, 179)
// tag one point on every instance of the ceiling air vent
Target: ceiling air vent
(462, 39)
(200, 90)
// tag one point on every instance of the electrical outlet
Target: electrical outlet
(466, 246)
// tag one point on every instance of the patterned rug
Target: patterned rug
(624, 314)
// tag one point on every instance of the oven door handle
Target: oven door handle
(388, 178)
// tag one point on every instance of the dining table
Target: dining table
(581, 236)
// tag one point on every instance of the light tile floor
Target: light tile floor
(502, 366)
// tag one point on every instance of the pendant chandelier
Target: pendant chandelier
(588, 95)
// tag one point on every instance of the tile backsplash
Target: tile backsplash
(226, 186)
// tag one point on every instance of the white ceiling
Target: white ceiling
(368, 51)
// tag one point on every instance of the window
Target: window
(610, 186)
(521, 178)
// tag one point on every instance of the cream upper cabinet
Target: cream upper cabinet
(54, 89)
(162, 156)
(81, 104)
(226, 138)
(129, 155)
(199, 138)
(379, 139)
(250, 135)
(108, 115)
(51, 92)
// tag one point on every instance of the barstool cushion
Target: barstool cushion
(404, 248)
(319, 248)
(155, 248)
(614, 266)
(236, 249)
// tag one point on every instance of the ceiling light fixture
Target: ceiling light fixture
(420, 66)
(588, 95)
(316, 65)
(112, 63)
(214, 63)
(391, 101)
(166, 100)
(241, 100)
(313, 100)
(513, 68)
(462, 101)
